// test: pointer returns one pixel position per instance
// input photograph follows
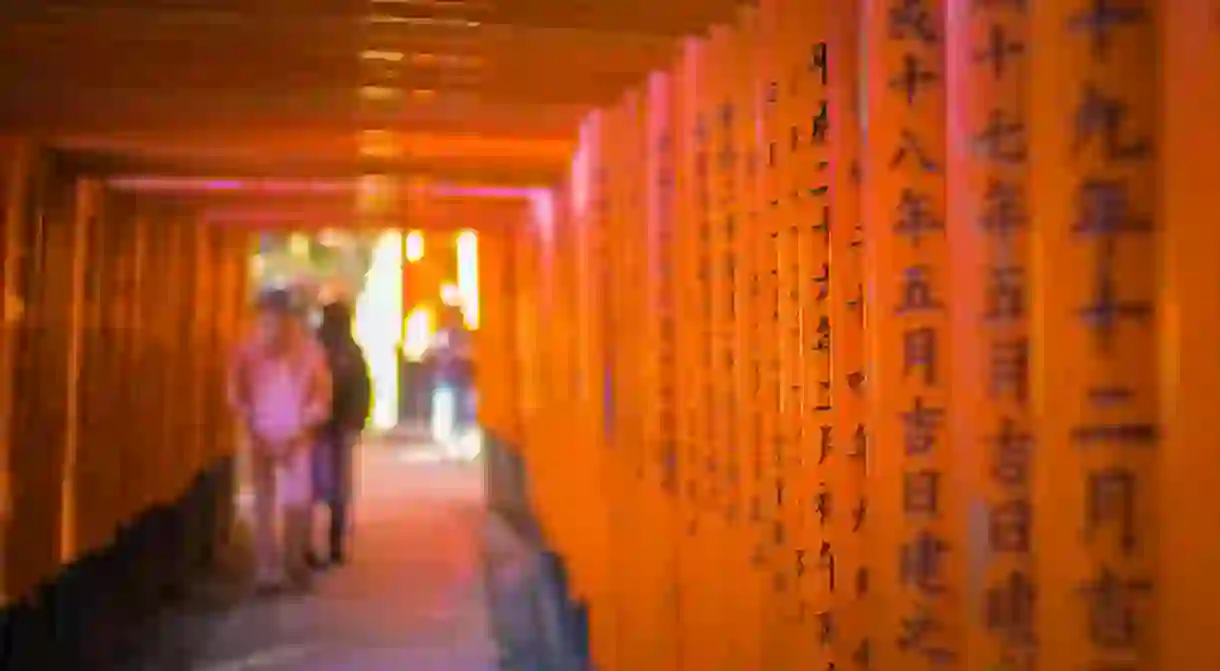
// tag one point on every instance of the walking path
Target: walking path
(411, 598)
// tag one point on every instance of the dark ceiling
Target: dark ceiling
(478, 90)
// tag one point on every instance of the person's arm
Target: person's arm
(362, 391)
(321, 388)
(238, 390)
(239, 398)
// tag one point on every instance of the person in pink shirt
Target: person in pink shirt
(281, 392)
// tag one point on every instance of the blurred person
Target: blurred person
(280, 389)
(351, 403)
(449, 360)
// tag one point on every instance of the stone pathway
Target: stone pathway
(412, 597)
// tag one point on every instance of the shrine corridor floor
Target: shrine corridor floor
(410, 598)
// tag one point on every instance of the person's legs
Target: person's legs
(340, 494)
(296, 498)
(459, 408)
(338, 530)
(442, 414)
(322, 476)
(269, 566)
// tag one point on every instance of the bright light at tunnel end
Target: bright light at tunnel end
(378, 326)
(468, 277)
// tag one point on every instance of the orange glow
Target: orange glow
(380, 93)
(426, 145)
(380, 55)
(378, 143)
(468, 277)
(424, 59)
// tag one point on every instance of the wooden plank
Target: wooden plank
(18, 157)
(848, 611)
(661, 317)
(919, 572)
(990, 242)
(693, 612)
(1093, 173)
(805, 209)
(633, 17)
(91, 493)
(1189, 280)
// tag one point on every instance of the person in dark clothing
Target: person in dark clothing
(351, 402)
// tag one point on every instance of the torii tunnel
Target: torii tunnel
(864, 335)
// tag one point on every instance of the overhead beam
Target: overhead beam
(42, 45)
(187, 113)
(290, 143)
(137, 89)
(642, 17)
(570, 64)
(519, 174)
(431, 215)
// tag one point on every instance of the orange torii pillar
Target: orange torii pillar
(847, 615)
(1093, 208)
(619, 160)
(712, 182)
(233, 277)
(588, 489)
(494, 342)
(561, 292)
(171, 286)
(210, 372)
(801, 62)
(696, 612)
(914, 518)
(609, 638)
(987, 59)
(736, 161)
(565, 382)
(1187, 588)
(769, 509)
(790, 234)
(92, 480)
(749, 486)
(80, 207)
(190, 439)
(632, 548)
(152, 369)
(44, 517)
(526, 318)
(15, 177)
(544, 360)
(109, 409)
(659, 400)
(179, 448)
(759, 421)
(137, 465)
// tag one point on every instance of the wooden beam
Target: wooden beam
(136, 89)
(466, 171)
(185, 114)
(258, 144)
(627, 16)
(572, 74)
(208, 58)
(450, 215)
